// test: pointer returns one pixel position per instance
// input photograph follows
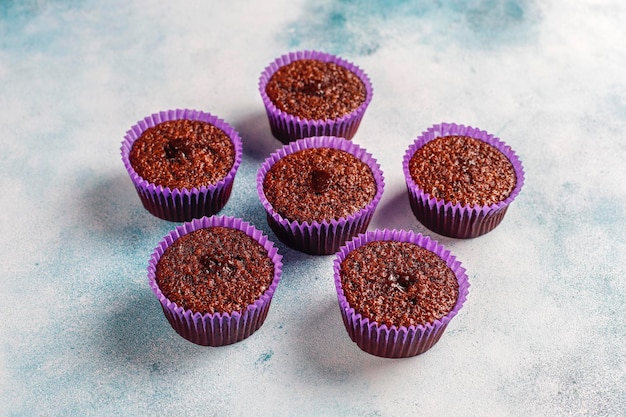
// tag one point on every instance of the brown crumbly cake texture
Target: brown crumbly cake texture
(461, 169)
(183, 154)
(398, 283)
(318, 184)
(213, 270)
(315, 90)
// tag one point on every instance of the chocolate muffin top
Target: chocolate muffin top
(461, 169)
(183, 154)
(318, 184)
(215, 269)
(398, 283)
(316, 90)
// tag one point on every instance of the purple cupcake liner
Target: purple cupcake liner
(396, 341)
(456, 220)
(217, 329)
(287, 128)
(325, 237)
(181, 204)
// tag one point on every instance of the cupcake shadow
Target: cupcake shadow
(395, 213)
(327, 349)
(137, 336)
(110, 208)
(257, 138)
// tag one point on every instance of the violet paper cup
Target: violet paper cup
(396, 341)
(320, 237)
(216, 329)
(287, 127)
(181, 204)
(456, 220)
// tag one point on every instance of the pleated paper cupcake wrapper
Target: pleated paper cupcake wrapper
(287, 128)
(325, 237)
(396, 341)
(456, 220)
(216, 329)
(181, 204)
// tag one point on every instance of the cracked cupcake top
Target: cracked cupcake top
(316, 90)
(461, 169)
(214, 269)
(183, 154)
(398, 283)
(318, 184)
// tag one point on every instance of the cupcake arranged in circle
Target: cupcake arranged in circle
(461, 180)
(397, 291)
(319, 192)
(182, 163)
(310, 93)
(215, 278)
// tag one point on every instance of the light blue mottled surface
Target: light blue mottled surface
(543, 332)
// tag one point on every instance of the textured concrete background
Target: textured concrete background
(543, 331)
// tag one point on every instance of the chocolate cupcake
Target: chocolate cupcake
(310, 93)
(215, 278)
(461, 180)
(397, 291)
(182, 163)
(319, 192)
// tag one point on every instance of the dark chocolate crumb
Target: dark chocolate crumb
(320, 180)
